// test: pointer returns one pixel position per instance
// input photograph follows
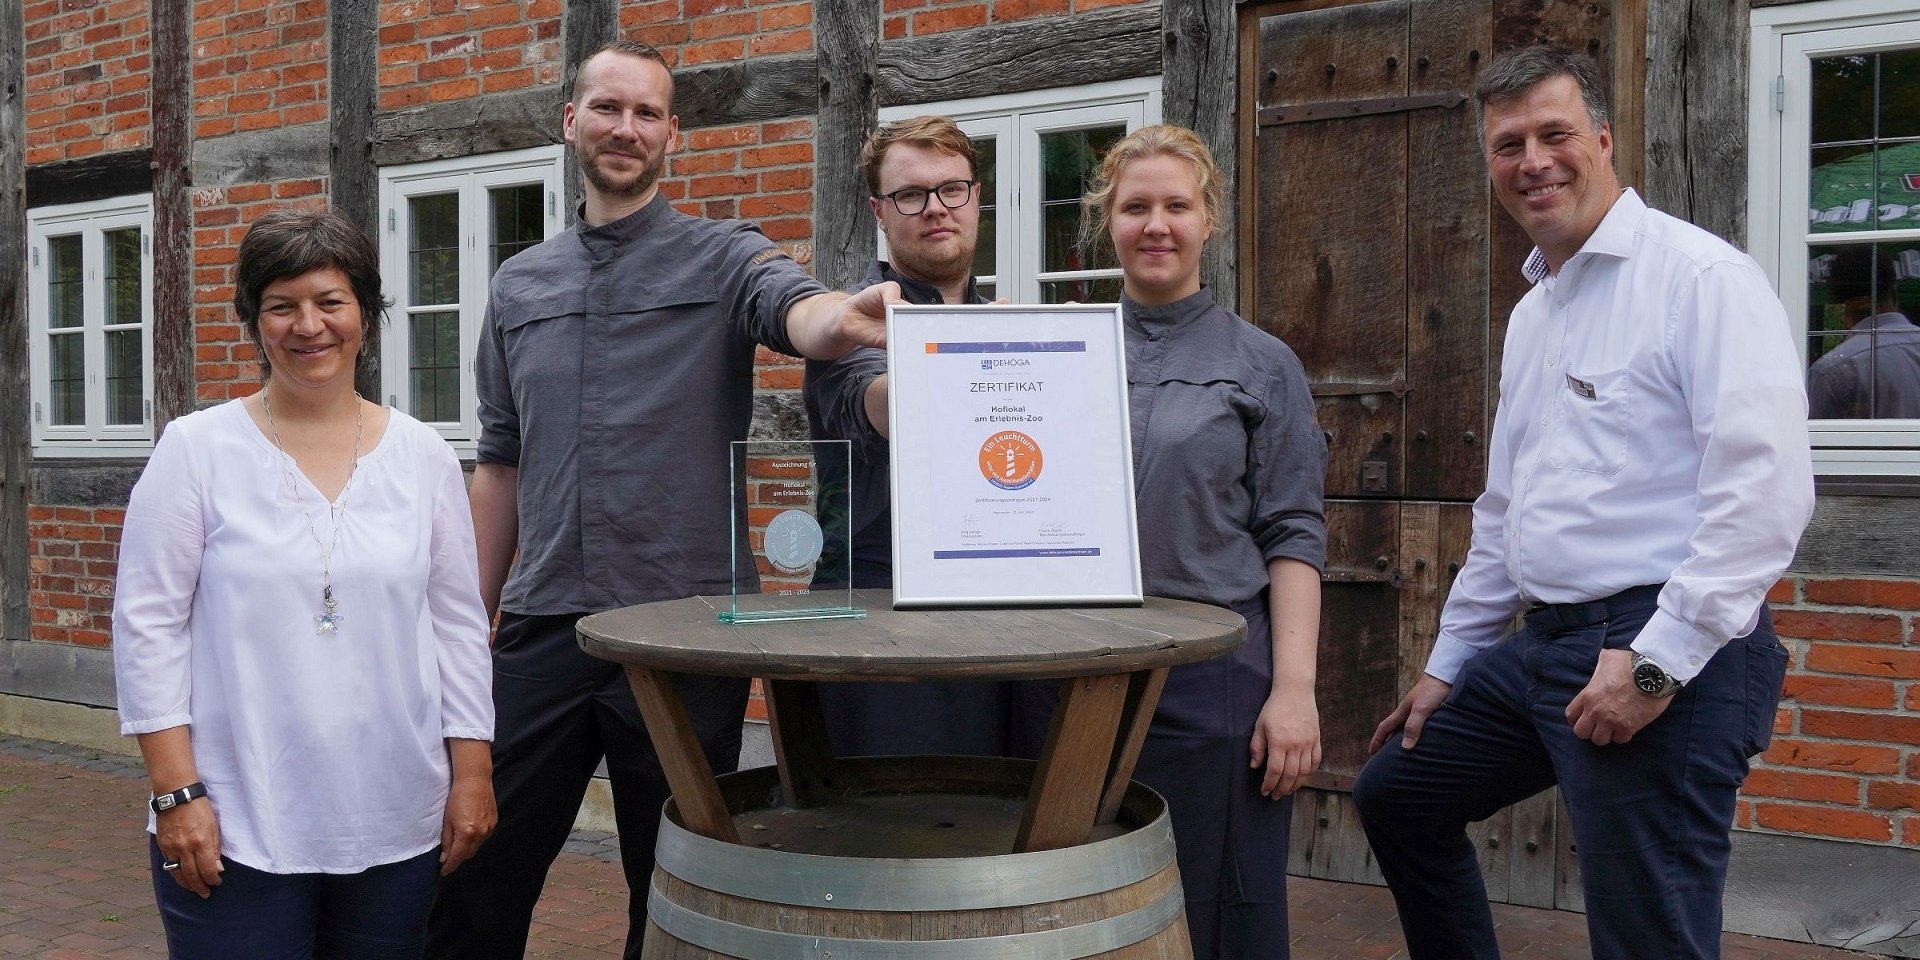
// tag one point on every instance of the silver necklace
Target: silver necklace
(328, 619)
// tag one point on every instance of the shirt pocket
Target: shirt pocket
(1591, 429)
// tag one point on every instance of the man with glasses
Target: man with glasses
(925, 195)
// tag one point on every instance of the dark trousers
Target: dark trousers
(377, 914)
(558, 711)
(1650, 816)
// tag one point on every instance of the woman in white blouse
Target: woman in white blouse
(299, 641)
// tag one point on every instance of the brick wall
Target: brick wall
(258, 64)
(87, 78)
(226, 363)
(1845, 760)
(70, 570)
(693, 32)
(919, 18)
(436, 50)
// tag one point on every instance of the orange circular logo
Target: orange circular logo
(1010, 460)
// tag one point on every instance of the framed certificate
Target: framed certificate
(1012, 461)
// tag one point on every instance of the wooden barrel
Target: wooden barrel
(906, 862)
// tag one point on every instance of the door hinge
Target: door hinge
(149, 407)
(550, 203)
(1372, 106)
(36, 412)
(36, 258)
(146, 243)
(392, 220)
(1780, 93)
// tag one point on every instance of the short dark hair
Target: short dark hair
(289, 243)
(1512, 74)
(629, 48)
(1862, 272)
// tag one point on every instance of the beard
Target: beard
(621, 186)
(937, 266)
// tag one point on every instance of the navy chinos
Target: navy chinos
(1651, 816)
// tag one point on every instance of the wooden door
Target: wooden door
(1379, 255)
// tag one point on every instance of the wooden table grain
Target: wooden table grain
(1112, 663)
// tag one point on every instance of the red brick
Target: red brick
(712, 137)
(1885, 594)
(783, 155)
(779, 378)
(1005, 10)
(508, 80)
(1913, 697)
(506, 37)
(716, 186)
(713, 51)
(786, 130)
(774, 181)
(1863, 661)
(785, 16)
(769, 44)
(1825, 821)
(1840, 757)
(453, 89)
(1828, 625)
(726, 25)
(1868, 727)
(772, 205)
(949, 18)
(722, 209)
(1082, 6)
(787, 228)
(1882, 795)
(688, 164)
(1795, 785)
(1840, 691)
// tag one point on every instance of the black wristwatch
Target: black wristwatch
(167, 801)
(1652, 679)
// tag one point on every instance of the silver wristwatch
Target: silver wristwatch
(1653, 679)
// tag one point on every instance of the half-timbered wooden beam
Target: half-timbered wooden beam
(1200, 57)
(97, 177)
(169, 38)
(843, 228)
(586, 26)
(15, 427)
(353, 95)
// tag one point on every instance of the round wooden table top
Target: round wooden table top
(962, 644)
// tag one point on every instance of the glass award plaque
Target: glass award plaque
(792, 523)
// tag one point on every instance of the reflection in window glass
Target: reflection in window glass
(123, 276)
(67, 379)
(1069, 159)
(124, 380)
(1864, 159)
(434, 341)
(1863, 350)
(986, 153)
(1098, 290)
(518, 222)
(434, 249)
(66, 294)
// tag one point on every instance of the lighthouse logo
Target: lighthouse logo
(1010, 460)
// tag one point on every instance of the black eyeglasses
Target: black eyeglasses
(911, 201)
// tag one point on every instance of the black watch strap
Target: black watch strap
(167, 801)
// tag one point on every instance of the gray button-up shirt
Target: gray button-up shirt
(615, 366)
(1228, 462)
(1874, 373)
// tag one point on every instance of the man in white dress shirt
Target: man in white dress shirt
(1648, 479)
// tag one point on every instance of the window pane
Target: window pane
(986, 153)
(1843, 98)
(1864, 352)
(124, 365)
(986, 290)
(65, 287)
(1899, 94)
(1068, 160)
(67, 378)
(435, 366)
(1100, 290)
(123, 276)
(434, 249)
(517, 220)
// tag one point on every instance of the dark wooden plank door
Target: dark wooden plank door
(1380, 256)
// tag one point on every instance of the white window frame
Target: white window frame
(1017, 121)
(470, 177)
(90, 220)
(1784, 41)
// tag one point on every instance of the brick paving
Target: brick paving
(75, 885)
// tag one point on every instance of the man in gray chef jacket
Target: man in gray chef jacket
(614, 368)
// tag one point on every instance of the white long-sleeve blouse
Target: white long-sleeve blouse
(321, 752)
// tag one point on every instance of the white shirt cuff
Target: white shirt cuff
(1449, 654)
(134, 728)
(1680, 648)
